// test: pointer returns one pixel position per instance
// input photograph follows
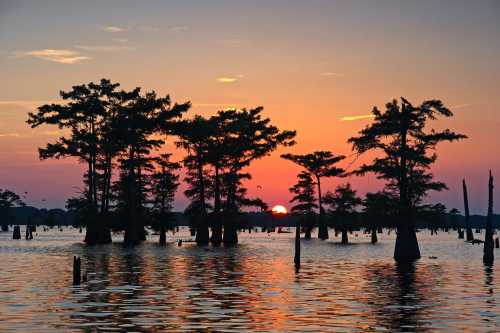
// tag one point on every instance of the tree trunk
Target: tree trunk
(468, 229)
(97, 233)
(307, 234)
(374, 236)
(17, 232)
(230, 234)
(163, 235)
(406, 249)
(216, 238)
(322, 228)
(406, 244)
(202, 233)
(345, 237)
(488, 255)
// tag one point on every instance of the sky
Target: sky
(316, 66)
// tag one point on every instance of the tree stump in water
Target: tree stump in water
(488, 256)
(296, 258)
(77, 268)
(17, 232)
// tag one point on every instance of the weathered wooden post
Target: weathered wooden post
(488, 255)
(77, 269)
(468, 229)
(296, 259)
(16, 234)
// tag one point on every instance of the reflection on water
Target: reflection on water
(250, 287)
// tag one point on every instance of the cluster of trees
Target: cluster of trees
(406, 150)
(118, 135)
(8, 199)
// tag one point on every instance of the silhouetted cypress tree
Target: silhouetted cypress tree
(8, 199)
(320, 164)
(408, 151)
(342, 204)
(379, 211)
(163, 185)
(305, 199)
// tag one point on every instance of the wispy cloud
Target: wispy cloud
(113, 28)
(331, 74)
(61, 56)
(28, 103)
(461, 106)
(227, 79)
(103, 48)
(9, 135)
(230, 41)
(360, 117)
(230, 79)
(216, 105)
(177, 29)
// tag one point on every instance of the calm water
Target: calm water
(250, 287)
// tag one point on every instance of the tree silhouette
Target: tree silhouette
(408, 151)
(164, 184)
(320, 164)
(106, 125)
(247, 137)
(379, 209)
(342, 204)
(135, 127)
(219, 149)
(8, 199)
(305, 200)
(194, 136)
(84, 112)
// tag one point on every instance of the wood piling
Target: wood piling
(77, 270)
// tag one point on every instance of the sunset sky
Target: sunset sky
(317, 66)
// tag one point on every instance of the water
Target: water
(250, 287)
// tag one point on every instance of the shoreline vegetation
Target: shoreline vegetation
(129, 184)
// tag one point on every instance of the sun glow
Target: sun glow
(279, 210)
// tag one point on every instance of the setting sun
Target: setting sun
(279, 210)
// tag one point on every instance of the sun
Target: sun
(279, 210)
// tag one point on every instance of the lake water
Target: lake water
(250, 287)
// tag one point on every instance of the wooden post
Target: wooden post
(468, 229)
(77, 268)
(296, 259)
(488, 255)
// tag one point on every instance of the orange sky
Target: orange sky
(309, 65)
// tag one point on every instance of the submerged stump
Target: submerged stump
(488, 255)
(77, 270)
